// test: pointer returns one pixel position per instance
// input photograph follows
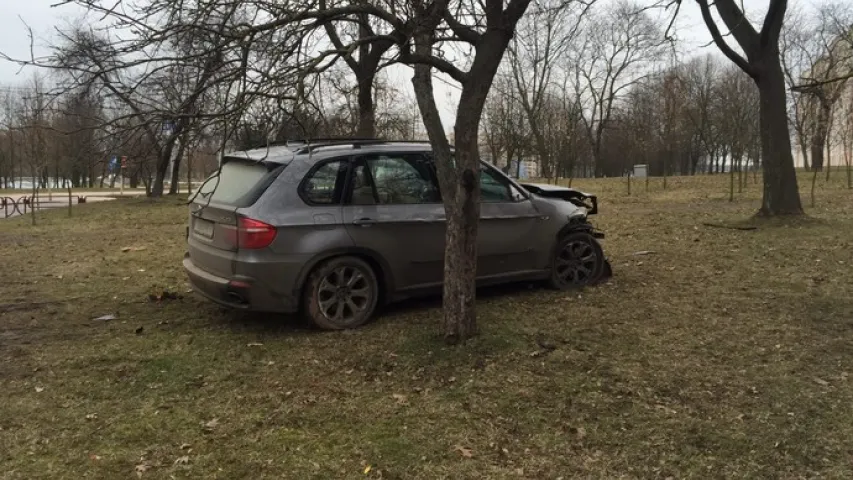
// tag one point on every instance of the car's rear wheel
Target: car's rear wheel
(341, 293)
(578, 261)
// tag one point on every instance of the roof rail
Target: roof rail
(356, 143)
(308, 141)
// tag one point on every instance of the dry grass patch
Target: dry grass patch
(724, 353)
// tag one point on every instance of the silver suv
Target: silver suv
(334, 229)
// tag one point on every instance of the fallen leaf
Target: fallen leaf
(254, 344)
(209, 426)
(367, 469)
(581, 432)
(821, 381)
(105, 318)
(139, 330)
(133, 249)
(182, 460)
(140, 469)
(91, 416)
(643, 252)
(185, 446)
(465, 452)
(94, 457)
(401, 399)
(39, 389)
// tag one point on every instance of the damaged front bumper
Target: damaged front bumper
(577, 197)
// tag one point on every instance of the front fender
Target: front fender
(580, 226)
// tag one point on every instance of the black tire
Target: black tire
(578, 262)
(341, 293)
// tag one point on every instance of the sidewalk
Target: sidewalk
(58, 199)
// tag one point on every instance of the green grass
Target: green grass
(724, 353)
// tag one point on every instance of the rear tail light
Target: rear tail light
(251, 234)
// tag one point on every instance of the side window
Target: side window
(393, 180)
(362, 186)
(323, 185)
(494, 188)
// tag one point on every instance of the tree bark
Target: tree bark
(366, 111)
(459, 177)
(460, 193)
(162, 167)
(176, 169)
(818, 143)
(781, 193)
(804, 150)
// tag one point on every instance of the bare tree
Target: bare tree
(618, 50)
(762, 62)
(504, 126)
(488, 34)
(738, 104)
(362, 52)
(544, 37)
(799, 51)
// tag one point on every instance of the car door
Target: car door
(394, 210)
(506, 242)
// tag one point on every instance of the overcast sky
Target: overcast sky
(44, 19)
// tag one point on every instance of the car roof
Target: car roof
(285, 153)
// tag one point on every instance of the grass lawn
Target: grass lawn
(723, 353)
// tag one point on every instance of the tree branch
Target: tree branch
(720, 41)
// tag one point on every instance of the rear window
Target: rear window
(239, 183)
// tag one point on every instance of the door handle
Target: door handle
(364, 221)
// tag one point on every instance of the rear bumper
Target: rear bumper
(238, 293)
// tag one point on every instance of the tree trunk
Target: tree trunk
(190, 170)
(821, 131)
(828, 153)
(781, 195)
(162, 168)
(814, 180)
(458, 179)
(731, 179)
(460, 194)
(366, 112)
(174, 187)
(804, 150)
(460, 256)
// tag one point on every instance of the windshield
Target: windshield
(238, 182)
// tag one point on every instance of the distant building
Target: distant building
(839, 142)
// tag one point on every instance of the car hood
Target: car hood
(563, 197)
(558, 207)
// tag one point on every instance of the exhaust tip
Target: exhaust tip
(236, 298)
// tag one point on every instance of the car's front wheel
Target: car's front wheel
(341, 293)
(578, 261)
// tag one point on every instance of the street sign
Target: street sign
(113, 163)
(123, 162)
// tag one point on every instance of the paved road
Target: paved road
(60, 199)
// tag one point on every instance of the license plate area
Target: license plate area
(203, 228)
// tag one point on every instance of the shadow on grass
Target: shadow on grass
(433, 300)
(288, 324)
